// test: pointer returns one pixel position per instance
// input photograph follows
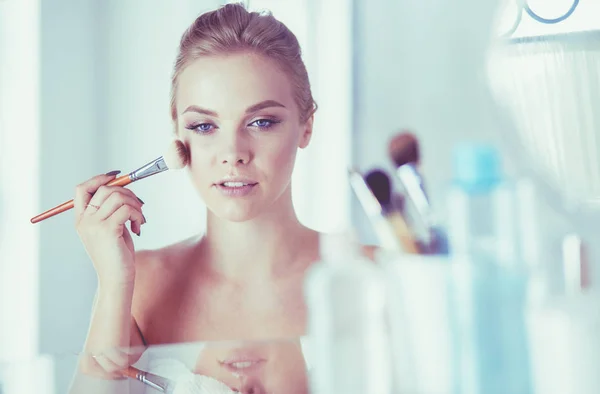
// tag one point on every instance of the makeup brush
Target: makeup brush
(405, 154)
(176, 157)
(158, 383)
(374, 211)
(381, 187)
(186, 382)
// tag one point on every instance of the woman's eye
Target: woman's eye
(204, 127)
(264, 124)
(201, 128)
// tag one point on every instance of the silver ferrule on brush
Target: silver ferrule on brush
(415, 192)
(152, 168)
(373, 210)
(156, 382)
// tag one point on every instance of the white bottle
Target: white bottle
(346, 329)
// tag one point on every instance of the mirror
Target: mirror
(103, 88)
(544, 68)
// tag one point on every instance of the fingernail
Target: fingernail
(115, 172)
(144, 218)
(140, 200)
(139, 232)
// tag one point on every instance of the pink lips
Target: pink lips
(236, 186)
(236, 191)
(243, 365)
(244, 361)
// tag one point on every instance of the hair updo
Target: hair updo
(230, 29)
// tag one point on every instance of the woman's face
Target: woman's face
(237, 115)
(257, 368)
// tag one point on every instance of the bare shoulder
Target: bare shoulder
(150, 259)
(156, 268)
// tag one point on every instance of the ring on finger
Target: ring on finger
(93, 206)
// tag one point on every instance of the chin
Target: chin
(239, 209)
(235, 212)
(237, 217)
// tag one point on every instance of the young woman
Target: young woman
(242, 104)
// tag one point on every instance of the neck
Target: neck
(266, 246)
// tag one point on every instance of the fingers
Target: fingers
(113, 362)
(124, 213)
(94, 200)
(115, 201)
(110, 198)
(85, 191)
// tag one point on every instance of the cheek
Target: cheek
(200, 163)
(281, 158)
(286, 371)
(207, 366)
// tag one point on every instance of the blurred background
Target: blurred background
(84, 89)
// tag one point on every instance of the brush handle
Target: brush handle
(156, 382)
(132, 372)
(403, 233)
(120, 181)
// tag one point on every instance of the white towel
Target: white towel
(186, 382)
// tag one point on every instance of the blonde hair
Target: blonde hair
(230, 29)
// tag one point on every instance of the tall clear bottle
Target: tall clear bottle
(490, 279)
(346, 329)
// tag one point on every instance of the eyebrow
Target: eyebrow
(263, 105)
(249, 110)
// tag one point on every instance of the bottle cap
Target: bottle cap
(477, 166)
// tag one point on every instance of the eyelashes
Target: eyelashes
(262, 124)
(200, 128)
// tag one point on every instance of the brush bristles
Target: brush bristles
(177, 155)
(380, 185)
(404, 149)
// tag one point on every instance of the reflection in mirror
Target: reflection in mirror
(241, 104)
(202, 313)
(223, 367)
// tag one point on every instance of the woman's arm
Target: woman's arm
(113, 343)
(114, 340)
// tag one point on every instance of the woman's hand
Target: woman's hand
(101, 215)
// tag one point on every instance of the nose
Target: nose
(235, 151)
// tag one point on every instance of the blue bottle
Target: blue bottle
(490, 280)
